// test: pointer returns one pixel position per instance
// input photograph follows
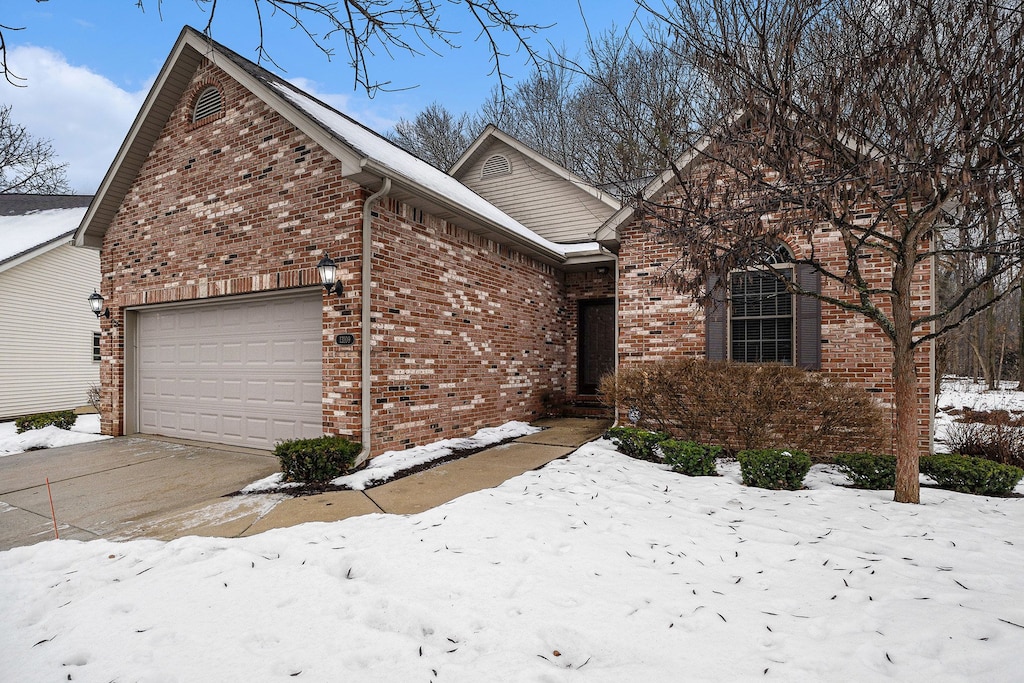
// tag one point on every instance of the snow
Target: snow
(959, 393)
(22, 233)
(402, 163)
(85, 429)
(625, 570)
(386, 465)
(596, 567)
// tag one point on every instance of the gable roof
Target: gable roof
(492, 134)
(32, 224)
(366, 157)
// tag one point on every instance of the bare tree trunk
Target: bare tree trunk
(1020, 330)
(908, 484)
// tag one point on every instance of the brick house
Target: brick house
(491, 293)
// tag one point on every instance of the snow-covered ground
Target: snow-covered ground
(87, 428)
(388, 464)
(594, 568)
(959, 393)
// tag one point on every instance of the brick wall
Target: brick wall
(658, 323)
(466, 333)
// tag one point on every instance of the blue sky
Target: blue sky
(90, 64)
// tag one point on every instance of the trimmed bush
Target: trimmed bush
(636, 443)
(968, 474)
(774, 469)
(746, 406)
(690, 458)
(316, 461)
(868, 471)
(65, 419)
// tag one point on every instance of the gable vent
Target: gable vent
(495, 166)
(207, 104)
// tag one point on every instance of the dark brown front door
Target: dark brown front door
(596, 343)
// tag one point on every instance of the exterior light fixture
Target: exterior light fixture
(328, 270)
(96, 303)
(602, 270)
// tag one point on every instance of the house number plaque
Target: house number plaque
(345, 339)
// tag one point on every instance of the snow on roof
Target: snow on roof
(373, 146)
(23, 233)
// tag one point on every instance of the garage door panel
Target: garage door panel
(244, 373)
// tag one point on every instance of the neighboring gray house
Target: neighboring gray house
(49, 349)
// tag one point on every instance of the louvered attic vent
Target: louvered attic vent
(495, 166)
(207, 104)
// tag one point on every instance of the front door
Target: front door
(596, 343)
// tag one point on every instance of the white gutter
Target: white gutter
(366, 407)
(615, 365)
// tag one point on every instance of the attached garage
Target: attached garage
(244, 372)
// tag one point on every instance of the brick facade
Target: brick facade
(657, 323)
(466, 332)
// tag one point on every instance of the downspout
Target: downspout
(615, 366)
(366, 407)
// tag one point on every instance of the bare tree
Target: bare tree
(896, 125)
(436, 135)
(27, 164)
(365, 27)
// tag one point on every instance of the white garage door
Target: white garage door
(244, 373)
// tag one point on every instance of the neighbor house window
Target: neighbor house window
(207, 104)
(96, 346)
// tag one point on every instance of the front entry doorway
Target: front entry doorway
(596, 343)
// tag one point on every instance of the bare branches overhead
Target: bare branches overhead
(28, 165)
(367, 28)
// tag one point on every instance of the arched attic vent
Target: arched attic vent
(207, 104)
(496, 165)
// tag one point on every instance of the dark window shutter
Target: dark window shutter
(808, 319)
(716, 320)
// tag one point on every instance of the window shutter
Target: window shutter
(716, 320)
(808, 319)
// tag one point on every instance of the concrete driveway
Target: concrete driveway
(105, 488)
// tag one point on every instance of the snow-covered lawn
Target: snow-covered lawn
(959, 393)
(594, 568)
(87, 428)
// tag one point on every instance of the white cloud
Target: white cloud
(85, 115)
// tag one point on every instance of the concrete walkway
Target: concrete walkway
(135, 487)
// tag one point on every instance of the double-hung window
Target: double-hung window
(760, 317)
(755, 319)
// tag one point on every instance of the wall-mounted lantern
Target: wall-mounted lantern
(96, 303)
(328, 270)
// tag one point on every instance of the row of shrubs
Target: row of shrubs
(64, 419)
(785, 469)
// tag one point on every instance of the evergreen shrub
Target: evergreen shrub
(316, 461)
(636, 443)
(968, 474)
(690, 458)
(64, 419)
(774, 469)
(868, 471)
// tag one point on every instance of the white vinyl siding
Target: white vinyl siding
(46, 348)
(246, 373)
(549, 205)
